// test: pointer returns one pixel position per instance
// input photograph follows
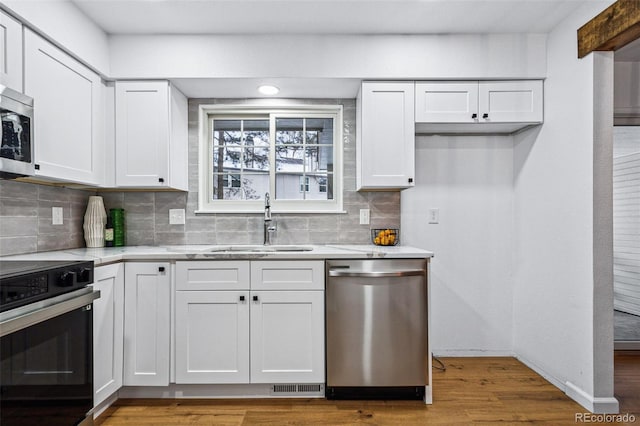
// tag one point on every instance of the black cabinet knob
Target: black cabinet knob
(161, 180)
(161, 269)
(242, 298)
(410, 180)
(474, 115)
(255, 298)
(485, 115)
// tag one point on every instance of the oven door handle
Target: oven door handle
(60, 305)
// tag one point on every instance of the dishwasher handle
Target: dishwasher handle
(343, 272)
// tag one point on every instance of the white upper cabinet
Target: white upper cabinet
(445, 102)
(10, 52)
(150, 135)
(385, 136)
(68, 114)
(483, 107)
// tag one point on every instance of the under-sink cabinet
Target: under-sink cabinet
(147, 317)
(249, 322)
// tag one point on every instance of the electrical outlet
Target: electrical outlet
(176, 217)
(364, 216)
(57, 216)
(434, 215)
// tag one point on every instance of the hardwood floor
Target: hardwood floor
(470, 391)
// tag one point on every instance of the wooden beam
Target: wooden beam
(617, 25)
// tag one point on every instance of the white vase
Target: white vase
(95, 219)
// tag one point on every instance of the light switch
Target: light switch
(56, 216)
(176, 217)
(364, 216)
(434, 215)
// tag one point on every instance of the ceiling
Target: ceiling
(326, 16)
(323, 17)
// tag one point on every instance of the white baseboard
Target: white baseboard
(466, 353)
(626, 345)
(594, 404)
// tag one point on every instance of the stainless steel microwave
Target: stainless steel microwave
(16, 152)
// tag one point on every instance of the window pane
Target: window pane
(320, 187)
(227, 132)
(237, 186)
(319, 131)
(256, 159)
(288, 186)
(256, 133)
(319, 158)
(290, 158)
(225, 158)
(289, 131)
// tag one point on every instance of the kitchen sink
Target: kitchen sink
(261, 248)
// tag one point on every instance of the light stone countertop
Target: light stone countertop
(105, 255)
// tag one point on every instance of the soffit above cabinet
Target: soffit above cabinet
(328, 16)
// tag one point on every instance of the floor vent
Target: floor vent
(293, 389)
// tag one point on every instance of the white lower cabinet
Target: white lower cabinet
(212, 337)
(108, 316)
(147, 324)
(241, 335)
(287, 337)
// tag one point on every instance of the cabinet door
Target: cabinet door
(287, 337)
(287, 275)
(108, 316)
(147, 319)
(212, 275)
(142, 133)
(10, 52)
(510, 101)
(446, 102)
(68, 113)
(385, 136)
(212, 337)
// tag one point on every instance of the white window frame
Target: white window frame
(205, 154)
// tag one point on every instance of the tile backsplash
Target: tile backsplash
(25, 209)
(25, 217)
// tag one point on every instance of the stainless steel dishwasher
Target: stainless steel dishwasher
(376, 315)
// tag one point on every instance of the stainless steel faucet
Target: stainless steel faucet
(269, 228)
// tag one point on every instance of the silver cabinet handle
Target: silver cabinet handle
(376, 274)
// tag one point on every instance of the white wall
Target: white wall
(561, 325)
(470, 180)
(71, 29)
(329, 56)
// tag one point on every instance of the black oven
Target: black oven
(46, 344)
(16, 134)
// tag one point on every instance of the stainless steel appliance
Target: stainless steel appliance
(376, 317)
(16, 148)
(46, 343)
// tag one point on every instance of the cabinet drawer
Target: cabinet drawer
(212, 275)
(287, 275)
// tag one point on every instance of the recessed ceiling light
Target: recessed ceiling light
(268, 90)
